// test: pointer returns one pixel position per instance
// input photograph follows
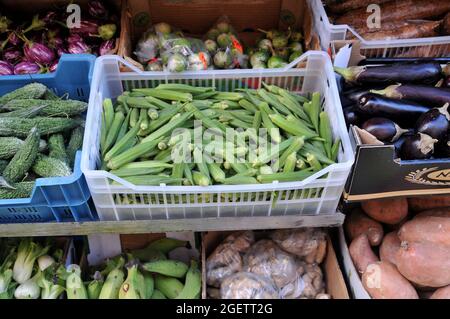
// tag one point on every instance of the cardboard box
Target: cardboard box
(377, 173)
(334, 280)
(196, 17)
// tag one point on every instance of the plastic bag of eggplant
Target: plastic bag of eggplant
(404, 104)
(35, 45)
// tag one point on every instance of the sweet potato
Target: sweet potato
(390, 211)
(424, 263)
(446, 24)
(359, 223)
(418, 204)
(431, 229)
(361, 253)
(389, 248)
(383, 281)
(437, 212)
(441, 293)
(396, 11)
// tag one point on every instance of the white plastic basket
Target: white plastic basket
(318, 194)
(422, 47)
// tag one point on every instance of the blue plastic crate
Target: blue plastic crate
(61, 199)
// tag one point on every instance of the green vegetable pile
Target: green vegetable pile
(145, 128)
(30, 270)
(140, 274)
(39, 136)
(276, 50)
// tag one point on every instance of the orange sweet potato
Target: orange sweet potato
(389, 247)
(424, 263)
(383, 281)
(390, 211)
(361, 253)
(441, 293)
(358, 223)
(418, 204)
(426, 229)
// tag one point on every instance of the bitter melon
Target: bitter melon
(10, 145)
(22, 190)
(29, 91)
(21, 162)
(3, 165)
(57, 148)
(75, 144)
(60, 108)
(45, 166)
(18, 127)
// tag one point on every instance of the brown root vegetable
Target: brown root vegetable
(437, 212)
(418, 204)
(446, 24)
(390, 211)
(389, 248)
(441, 293)
(424, 263)
(359, 223)
(410, 31)
(397, 11)
(430, 229)
(383, 281)
(341, 7)
(362, 253)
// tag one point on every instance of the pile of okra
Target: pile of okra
(143, 128)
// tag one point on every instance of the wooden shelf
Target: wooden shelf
(161, 226)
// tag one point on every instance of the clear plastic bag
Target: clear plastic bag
(245, 285)
(307, 243)
(226, 259)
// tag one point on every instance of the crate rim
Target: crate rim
(289, 69)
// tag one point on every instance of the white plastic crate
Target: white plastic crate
(421, 47)
(318, 194)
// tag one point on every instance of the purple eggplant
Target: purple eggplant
(383, 129)
(107, 31)
(399, 142)
(87, 28)
(435, 123)
(14, 40)
(50, 18)
(418, 146)
(6, 68)
(53, 66)
(73, 38)
(39, 53)
(351, 116)
(107, 47)
(78, 48)
(446, 83)
(97, 9)
(12, 56)
(443, 148)
(427, 95)
(380, 106)
(421, 73)
(27, 68)
(36, 24)
(355, 95)
(61, 50)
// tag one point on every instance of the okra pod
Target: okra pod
(211, 124)
(152, 180)
(153, 114)
(294, 147)
(139, 102)
(300, 164)
(286, 177)
(231, 96)
(108, 111)
(313, 110)
(240, 180)
(287, 126)
(119, 145)
(270, 126)
(257, 120)
(201, 163)
(296, 108)
(178, 170)
(126, 172)
(133, 153)
(184, 88)
(124, 128)
(169, 127)
(325, 132)
(200, 179)
(188, 174)
(113, 131)
(134, 117)
(143, 119)
(309, 148)
(290, 163)
(163, 155)
(248, 106)
(265, 158)
(159, 103)
(335, 150)
(166, 94)
(265, 169)
(217, 173)
(268, 97)
(313, 162)
(205, 96)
